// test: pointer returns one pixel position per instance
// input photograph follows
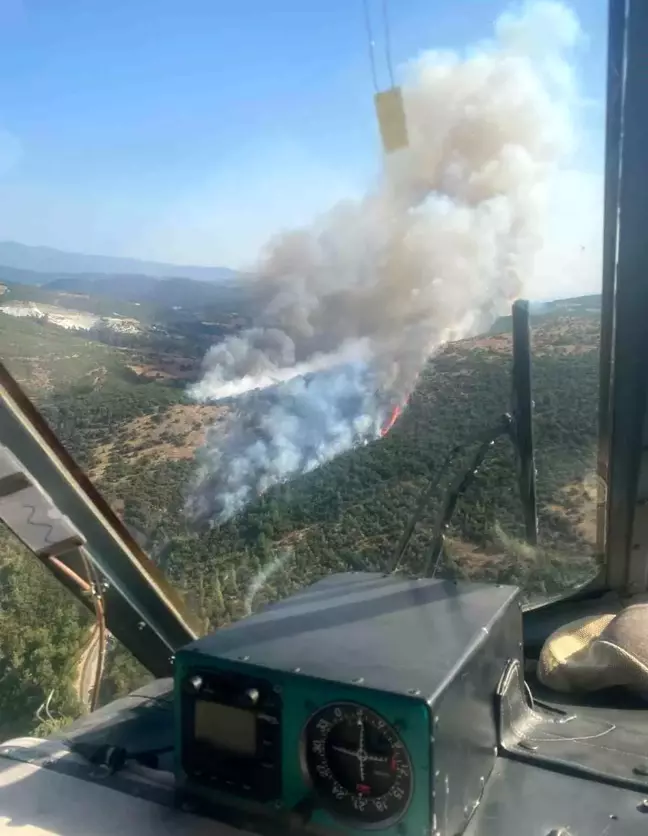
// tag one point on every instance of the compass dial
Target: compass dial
(358, 764)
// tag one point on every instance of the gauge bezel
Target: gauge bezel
(326, 804)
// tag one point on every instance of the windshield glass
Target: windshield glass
(257, 264)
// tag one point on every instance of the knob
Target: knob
(195, 682)
(251, 696)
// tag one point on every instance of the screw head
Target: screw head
(196, 682)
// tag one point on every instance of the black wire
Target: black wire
(114, 758)
(461, 485)
(433, 484)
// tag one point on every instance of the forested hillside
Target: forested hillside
(124, 415)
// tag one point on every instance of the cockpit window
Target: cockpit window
(256, 270)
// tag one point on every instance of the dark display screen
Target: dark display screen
(225, 728)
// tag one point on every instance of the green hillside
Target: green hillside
(123, 414)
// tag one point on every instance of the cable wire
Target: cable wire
(93, 588)
(390, 67)
(100, 613)
(372, 57)
(408, 532)
(460, 486)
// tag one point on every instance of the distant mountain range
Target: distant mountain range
(231, 295)
(49, 260)
(122, 279)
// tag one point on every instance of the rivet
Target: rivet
(171, 659)
(414, 692)
(141, 625)
(244, 658)
(358, 680)
(613, 816)
(296, 670)
(643, 807)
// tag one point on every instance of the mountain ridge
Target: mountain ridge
(42, 259)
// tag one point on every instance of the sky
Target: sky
(190, 131)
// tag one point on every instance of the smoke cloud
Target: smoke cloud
(355, 304)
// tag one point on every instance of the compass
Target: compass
(358, 765)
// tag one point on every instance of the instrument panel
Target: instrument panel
(334, 712)
(357, 764)
(258, 745)
(232, 733)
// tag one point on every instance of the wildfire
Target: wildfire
(395, 415)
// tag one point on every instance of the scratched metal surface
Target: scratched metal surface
(525, 800)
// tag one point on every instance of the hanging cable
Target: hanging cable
(390, 67)
(372, 57)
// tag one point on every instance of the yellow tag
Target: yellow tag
(391, 118)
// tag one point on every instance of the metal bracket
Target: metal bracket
(60, 511)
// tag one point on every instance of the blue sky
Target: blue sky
(187, 130)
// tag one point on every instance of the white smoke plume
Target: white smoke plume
(263, 576)
(355, 304)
